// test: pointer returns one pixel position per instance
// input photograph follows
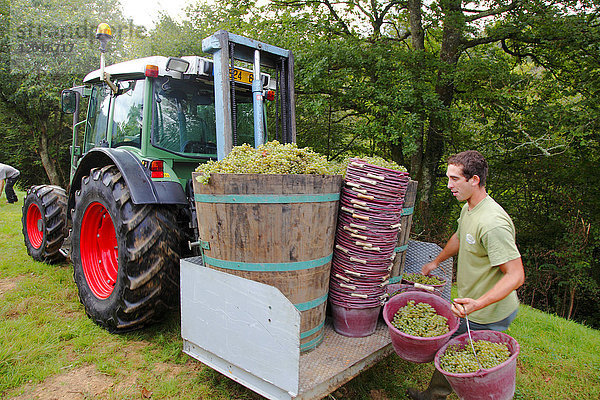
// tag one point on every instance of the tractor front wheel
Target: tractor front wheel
(125, 256)
(44, 222)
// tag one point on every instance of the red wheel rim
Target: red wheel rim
(35, 229)
(99, 251)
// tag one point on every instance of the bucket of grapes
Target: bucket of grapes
(490, 375)
(419, 323)
(431, 283)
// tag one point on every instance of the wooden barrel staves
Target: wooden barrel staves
(274, 229)
(404, 234)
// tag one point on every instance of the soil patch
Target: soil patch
(81, 383)
(7, 284)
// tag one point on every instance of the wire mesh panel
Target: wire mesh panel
(420, 253)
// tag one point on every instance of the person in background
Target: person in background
(489, 264)
(8, 177)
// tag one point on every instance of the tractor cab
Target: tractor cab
(181, 112)
(172, 113)
(163, 108)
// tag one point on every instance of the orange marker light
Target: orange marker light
(151, 71)
(157, 169)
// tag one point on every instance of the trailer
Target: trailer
(250, 332)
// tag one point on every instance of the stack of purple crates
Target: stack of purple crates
(367, 234)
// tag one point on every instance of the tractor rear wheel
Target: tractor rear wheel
(125, 256)
(44, 222)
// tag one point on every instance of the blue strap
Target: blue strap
(395, 279)
(266, 198)
(311, 304)
(401, 248)
(407, 210)
(267, 267)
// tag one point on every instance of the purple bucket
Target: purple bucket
(497, 383)
(354, 322)
(414, 348)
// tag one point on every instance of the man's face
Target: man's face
(460, 187)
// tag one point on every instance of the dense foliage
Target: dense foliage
(409, 81)
(47, 47)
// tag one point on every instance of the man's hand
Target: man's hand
(461, 307)
(427, 268)
(450, 250)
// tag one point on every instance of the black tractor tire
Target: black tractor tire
(125, 256)
(44, 221)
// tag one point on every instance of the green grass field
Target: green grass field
(49, 349)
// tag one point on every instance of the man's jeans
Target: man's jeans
(10, 192)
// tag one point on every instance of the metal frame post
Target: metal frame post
(256, 53)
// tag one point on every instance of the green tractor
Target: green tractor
(129, 215)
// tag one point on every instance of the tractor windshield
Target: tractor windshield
(184, 118)
(126, 116)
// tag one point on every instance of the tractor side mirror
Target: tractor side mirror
(68, 101)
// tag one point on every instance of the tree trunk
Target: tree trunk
(572, 301)
(434, 147)
(564, 304)
(48, 164)
(417, 35)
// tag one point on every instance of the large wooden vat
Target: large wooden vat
(274, 229)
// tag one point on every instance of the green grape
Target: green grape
(420, 319)
(269, 158)
(276, 158)
(378, 161)
(423, 279)
(461, 360)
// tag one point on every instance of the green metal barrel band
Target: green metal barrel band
(311, 304)
(267, 267)
(266, 198)
(407, 210)
(316, 329)
(312, 343)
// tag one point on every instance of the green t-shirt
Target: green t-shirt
(487, 240)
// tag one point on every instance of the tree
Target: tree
(431, 44)
(49, 46)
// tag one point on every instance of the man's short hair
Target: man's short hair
(472, 163)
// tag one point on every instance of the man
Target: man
(489, 264)
(10, 175)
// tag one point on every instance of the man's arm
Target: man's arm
(513, 278)
(1, 186)
(449, 250)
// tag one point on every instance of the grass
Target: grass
(47, 344)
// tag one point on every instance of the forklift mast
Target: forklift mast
(226, 48)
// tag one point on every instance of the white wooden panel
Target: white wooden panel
(237, 374)
(247, 324)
